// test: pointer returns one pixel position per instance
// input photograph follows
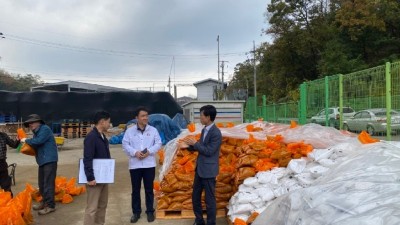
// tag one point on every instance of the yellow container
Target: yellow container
(59, 140)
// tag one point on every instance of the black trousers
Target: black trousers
(208, 184)
(47, 180)
(147, 175)
(5, 179)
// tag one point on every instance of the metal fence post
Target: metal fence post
(264, 107)
(341, 101)
(326, 101)
(303, 104)
(388, 102)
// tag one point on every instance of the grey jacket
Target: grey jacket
(207, 165)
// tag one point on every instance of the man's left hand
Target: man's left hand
(190, 140)
(145, 155)
(23, 139)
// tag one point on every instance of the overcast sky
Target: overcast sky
(128, 43)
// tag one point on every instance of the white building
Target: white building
(206, 89)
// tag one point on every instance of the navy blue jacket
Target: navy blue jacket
(44, 144)
(94, 147)
(207, 165)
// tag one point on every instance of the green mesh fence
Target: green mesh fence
(339, 100)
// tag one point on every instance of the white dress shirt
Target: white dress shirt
(206, 129)
(136, 140)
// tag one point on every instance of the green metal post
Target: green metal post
(303, 104)
(341, 101)
(388, 102)
(326, 101)
(286, 112)
(264, 107)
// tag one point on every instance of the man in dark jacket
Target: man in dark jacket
(5, 179)
(207, 165)
(96, 146)
(46, 157)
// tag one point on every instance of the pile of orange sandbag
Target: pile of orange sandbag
(240, 158)
(64, 191)
(17, 210)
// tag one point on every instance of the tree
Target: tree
(17, 82)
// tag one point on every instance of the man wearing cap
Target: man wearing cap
(46, 157)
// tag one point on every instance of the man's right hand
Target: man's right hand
(139, 155)
(92, 183)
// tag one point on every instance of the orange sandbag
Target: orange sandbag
(250, 128)
(175, 206)
(156, 185)
(181, 198)
(365, 138)
(226, 149)
(252, 217)
(188, 177)
(21, 133)
(230, 125)
(66, 199)
(162, 204)
(247, 160)
(5, 197)
(189, 167)
(170, 178)
(299, 147)
(28, 150)
(264, 164)
(280, 154)
(239, 222)
(245, 172)
(191, 127)
(161, 155)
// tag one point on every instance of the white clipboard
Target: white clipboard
(103, 169)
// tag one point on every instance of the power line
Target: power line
(110, 52)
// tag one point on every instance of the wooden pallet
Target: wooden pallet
(184, 214)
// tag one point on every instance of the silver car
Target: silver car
(372, 120)
(333, 116)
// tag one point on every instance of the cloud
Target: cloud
(119, 39)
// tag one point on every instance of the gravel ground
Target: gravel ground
(119, 206)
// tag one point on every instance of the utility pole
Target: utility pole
(218, 57)
(169, 84)
(255, 81)
(255, 71)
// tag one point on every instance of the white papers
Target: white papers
(103, 171)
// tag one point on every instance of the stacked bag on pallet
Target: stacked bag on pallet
(256, 193)
(245, 150)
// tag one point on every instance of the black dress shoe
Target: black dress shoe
(135, 218)
(150, 217)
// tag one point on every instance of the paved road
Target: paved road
(119, 209)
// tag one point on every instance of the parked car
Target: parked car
(333, 116)
(372, 120)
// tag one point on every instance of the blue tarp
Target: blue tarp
(167, 128)
(180, 120)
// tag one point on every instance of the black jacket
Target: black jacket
(94, 147)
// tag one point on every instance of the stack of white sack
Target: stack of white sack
(360, 188)
(256, 193)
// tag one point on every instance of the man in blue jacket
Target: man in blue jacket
(46, 157)
(207, 165)
(96, 146)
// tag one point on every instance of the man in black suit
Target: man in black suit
(207, 165)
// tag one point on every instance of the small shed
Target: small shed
(227, 111)
(206, 89)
